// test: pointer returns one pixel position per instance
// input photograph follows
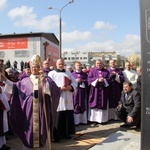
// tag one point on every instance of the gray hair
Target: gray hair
(9, 69)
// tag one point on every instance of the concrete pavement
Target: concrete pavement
(119, 140)
(86, 137)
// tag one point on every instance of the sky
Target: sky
(87, 25)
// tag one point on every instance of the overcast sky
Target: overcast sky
(87, 25)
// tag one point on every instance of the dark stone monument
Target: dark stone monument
(145, 51)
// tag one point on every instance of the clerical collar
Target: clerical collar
(99, 68)
(60, 70)
(46, 69)
(129, 70)
(77, 71)
(112, 68)
(34, 76)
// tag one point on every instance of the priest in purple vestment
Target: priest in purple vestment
(98, 78)
(33, 107)
(46, 67)
(26, 71)
(80, 95)
(116, 79)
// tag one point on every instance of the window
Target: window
(22, 53)
(2, 53)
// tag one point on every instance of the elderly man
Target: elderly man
(10, 72)
(129, 107)
(26, 71)
(46, 67)
(36, 99)
(69, 68)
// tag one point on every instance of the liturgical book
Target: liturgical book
(67, 81)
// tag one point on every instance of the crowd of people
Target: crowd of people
(45, 102)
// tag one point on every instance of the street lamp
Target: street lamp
(60, 24)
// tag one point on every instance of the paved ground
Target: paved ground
(85, 138)
(119, 140)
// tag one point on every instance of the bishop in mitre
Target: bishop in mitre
(33, 106)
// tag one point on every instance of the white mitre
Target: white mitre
(36, 60)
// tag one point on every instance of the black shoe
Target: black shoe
(55, 140)
(5, 147)
(124, 125)
(7, 138)
(67, 137)
(9, 133)
(138, 126)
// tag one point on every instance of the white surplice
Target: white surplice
(65, 101)
(4, 100)
(131, 75)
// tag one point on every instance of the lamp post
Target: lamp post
(60, 25)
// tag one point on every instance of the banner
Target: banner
(13, 43)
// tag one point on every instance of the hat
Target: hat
(36, 60)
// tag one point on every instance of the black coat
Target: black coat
(132, 104)
(138, 88)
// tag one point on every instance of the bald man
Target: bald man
(64, 125)
(46, 67)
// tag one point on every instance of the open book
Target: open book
(67, 81)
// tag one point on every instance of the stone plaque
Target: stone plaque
(145, 51)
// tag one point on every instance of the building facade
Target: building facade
(107, 56)
(18, 47)
(83, 57)
(89, 58)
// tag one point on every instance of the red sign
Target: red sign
(13, 43)
(54, 54)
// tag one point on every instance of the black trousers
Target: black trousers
(64, 124)
(122, 115)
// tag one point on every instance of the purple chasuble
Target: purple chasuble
(21, 117)
(45, 71)
(23, 75)
(115, 88)
(98, 94)
(80, 94)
